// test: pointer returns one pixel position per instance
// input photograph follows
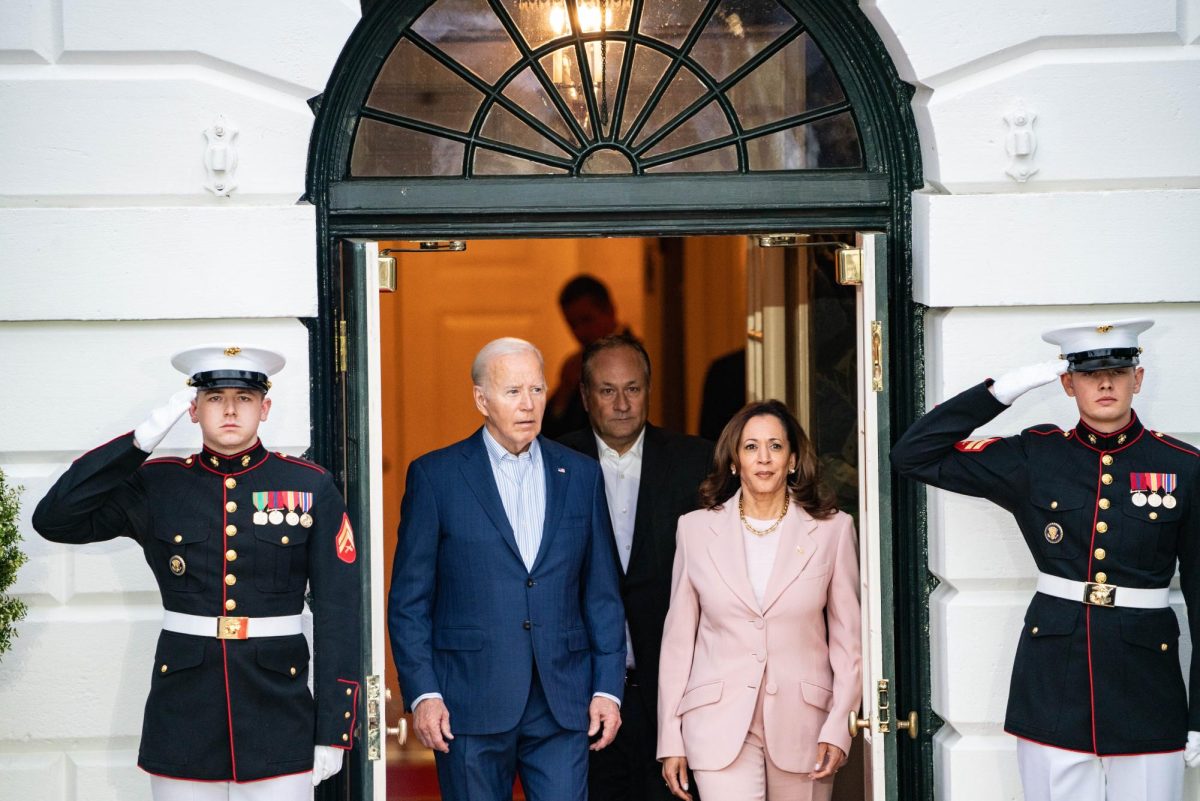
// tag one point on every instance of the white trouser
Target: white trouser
(297, 787)
(1052, 774)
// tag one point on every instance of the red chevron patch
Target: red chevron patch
(974, 445)
(345, 542)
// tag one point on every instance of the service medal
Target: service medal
(1138, 484)
(1168, 484)
(305, 504)
(177, 565)
(260, 503)
(307, 521)
(276, 517)
(1053, 533)
(1169, 501)
(293, 519)
(1138, 499)
(290, 501)
(1154, 499)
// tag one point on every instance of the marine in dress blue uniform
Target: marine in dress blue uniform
(1107, 512)
(234, 539)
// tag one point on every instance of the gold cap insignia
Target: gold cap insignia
(245, 460)
(235, 350)
(1100, 329)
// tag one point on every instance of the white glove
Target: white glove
(152, 430)
(326, 762)
(1012, 385)
(1191, 752)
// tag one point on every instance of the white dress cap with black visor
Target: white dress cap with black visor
(228, 366)
(1108, 345)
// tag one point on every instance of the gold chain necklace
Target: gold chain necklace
(742, 513)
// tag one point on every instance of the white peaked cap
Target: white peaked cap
(219, 366)
(1100, 345)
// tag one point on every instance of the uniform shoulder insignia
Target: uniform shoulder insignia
(974, 445)
(1177, 444)
(175, 460)
(299, 461)
(1045, 430)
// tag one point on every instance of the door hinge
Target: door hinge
(883, 705)
(342, 347)
(876, 356)
(374, 715)
(849, 266)
(387, 273)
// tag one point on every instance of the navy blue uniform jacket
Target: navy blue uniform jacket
(228, 710)
(465, 617)
(1097, 679)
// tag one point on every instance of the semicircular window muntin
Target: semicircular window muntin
(604, 87)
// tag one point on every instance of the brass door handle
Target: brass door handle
(858, 724)
(912, 725)
(400, 732)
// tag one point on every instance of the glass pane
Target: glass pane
(382, 150)
(706, 125)
(648, 68)
(721, 160)
(669, 21)
(604, 66)
(738, 30)
(503, 126)
(794, 80)
(526, 91)
(831, 142)
(412, 84)
(607, 161)
(539, 21)
(490, 162)
(468, 32)
(684, 90)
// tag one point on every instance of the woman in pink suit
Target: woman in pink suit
(761, 656)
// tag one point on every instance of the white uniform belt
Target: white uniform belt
(232, 628)
(1096, 594)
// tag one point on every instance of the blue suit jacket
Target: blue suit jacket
(466, 618)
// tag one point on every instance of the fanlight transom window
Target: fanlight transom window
(604, 87)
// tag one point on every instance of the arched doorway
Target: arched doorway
(458, 119)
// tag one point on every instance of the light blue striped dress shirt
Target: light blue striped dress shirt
(521, 480)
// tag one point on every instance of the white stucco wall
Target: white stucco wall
(115, 256)
(1103, 228)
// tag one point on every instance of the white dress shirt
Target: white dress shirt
(760, 555)
(622, 477)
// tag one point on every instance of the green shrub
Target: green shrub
(11, 609)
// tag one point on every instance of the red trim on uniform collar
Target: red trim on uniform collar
(1111, 442)
(233, 464)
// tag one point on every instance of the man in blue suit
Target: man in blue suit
(505, 615)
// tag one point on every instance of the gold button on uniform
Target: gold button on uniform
(284, 539)
(231, 531)
(1164, 646)
(1106, 478)
(1102, 527)
(292, 671)
(162, 669)
(1102, 578)
(231, 604)
(231, 579)
(179, 538)
(230, 555)
(1100, 554)
(231, 507)
(230, 483)
(1053, 504)
(1105, 503)
(1106, 459)
(345, 737)
(1034, 630)
(1154, 515)
(346, 715)
(349, 691)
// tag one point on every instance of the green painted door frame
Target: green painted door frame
(877, 197)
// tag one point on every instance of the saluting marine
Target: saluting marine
(234, 534)
(1108, 508)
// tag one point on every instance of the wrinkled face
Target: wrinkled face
(589, 320)
(764, 455)
(229, 418)
(1104, 397)
(617, 396)
(513, 400)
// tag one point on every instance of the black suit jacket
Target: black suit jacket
(673, 465)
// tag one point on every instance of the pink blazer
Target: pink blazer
(718, 646)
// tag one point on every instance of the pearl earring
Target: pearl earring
(732, 470)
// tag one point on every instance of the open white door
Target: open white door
(874, 518)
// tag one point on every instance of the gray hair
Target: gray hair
(505, 346)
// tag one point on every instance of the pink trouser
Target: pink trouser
(752, 776)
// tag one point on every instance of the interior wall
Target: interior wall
(714, 298)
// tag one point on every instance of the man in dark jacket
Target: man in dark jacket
(234, 535)
(650, 478)
(1108, 508)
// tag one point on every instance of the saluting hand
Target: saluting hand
(605, 713)
(431, 719)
